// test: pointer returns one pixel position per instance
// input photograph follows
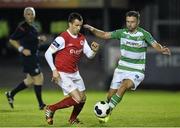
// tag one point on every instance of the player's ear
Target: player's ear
(69, 24)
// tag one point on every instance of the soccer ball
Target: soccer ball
(101, 109)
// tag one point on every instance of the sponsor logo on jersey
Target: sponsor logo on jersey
(133, 44)
(76, 52)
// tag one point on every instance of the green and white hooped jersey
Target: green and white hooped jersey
(133, 48)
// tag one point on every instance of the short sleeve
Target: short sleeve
(58, 43)
(116, 34)
(148, 38)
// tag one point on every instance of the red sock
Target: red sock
(65, 103)
(77, 109)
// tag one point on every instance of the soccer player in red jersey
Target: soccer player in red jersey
(68, 48)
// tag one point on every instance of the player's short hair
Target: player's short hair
(74, 16)
(30, 8)
(133, 13)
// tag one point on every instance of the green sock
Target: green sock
(115, 99)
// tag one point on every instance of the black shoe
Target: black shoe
(10, 99)
(41, 107)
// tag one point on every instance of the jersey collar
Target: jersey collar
(73, 36)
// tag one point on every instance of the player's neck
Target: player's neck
(29, 23)
(133, 31)
(71, 33)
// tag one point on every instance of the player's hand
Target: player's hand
(26, 52)
(55, 77)
(165, 50)
(94, 46)
(87, 26)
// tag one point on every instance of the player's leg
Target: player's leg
(23, 85)
(114, 84)
(69, 90)
(31, 65)
(38, 82)
(122, 81)
(77, 109)
(79, 83)
(111, 92)
(116, 95)
(72, 100)
(129, 80)
(126, 84)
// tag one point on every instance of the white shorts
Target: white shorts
(70, 82)
(120, 75)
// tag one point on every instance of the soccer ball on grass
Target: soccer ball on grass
(101, 109)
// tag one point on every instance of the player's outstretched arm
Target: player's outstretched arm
(97, 32)
(162, 49)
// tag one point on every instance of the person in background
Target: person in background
(26, 39)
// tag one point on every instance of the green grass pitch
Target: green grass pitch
(137, 109)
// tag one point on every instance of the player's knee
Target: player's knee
(83, 99)
(28, 83)
(127, 84)
(78, 99)
(124, 87)
(38, 79)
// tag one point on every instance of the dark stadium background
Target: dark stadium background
(161, 18)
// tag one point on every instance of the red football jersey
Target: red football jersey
(66, 60)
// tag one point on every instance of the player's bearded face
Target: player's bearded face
(29, 16)
(131, 23)
(75, 26)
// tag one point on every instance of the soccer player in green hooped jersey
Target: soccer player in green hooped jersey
(134, 41)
